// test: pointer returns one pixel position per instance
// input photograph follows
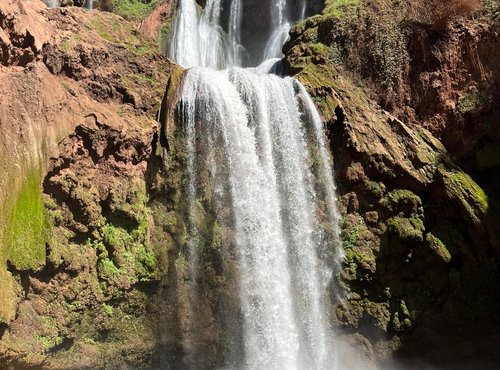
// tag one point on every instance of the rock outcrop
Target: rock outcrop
(420, 235)
(79, 264)
(93, 225)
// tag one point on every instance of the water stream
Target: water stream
(255, 142)
(88, 4)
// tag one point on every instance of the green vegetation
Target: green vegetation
(357, 242)
(124, 34)
(472, 200)
(402, 201)
(472, 102)
(134, 9)
(28, 227)
(132, 258)
(438, 247)
(376, 189)
(108, 310)
(340, 8)
(69, 43)
(406, 229)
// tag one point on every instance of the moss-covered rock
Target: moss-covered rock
(360, 249)
(28, 228)
(406, 229)
(472, 201)
(438, 247)
(402, 202)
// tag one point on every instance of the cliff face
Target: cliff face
(80, 267)
(420, 218)
(93, 222)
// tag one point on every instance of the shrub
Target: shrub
(439, 13)
(134, 9)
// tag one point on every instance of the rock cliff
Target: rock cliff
(420, 215)
(80, 263)
(92, 222)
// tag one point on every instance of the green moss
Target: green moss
(28, 227)
(131, 252)
(402, 201)
(166, 33)
(472, 102)
(49, 342)
(339, 8)
(450, 235)
(107, 268)
(406, 229)
(438, 247)
(69, 43)
(123, 34)
(357, 242)
(377, 189)
(319, 49)
(472, 200)
(134, 9)
(108, 310)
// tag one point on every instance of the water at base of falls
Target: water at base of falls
(255, 145)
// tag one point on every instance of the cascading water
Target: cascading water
(52, 3)
(255, 143)
(88, 4)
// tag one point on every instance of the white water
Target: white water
(258, 140)
(52, 3)
(235, 49)
(184, 48)
(88, 4)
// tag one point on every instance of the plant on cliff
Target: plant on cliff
(28, 228)
(134, 9)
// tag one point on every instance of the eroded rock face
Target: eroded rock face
(420, 234)
(107, 287)
(160, 17)
(83, 263)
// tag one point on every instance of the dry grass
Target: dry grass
(439, 13)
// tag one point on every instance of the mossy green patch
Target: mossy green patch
(124, 34)
(406, 229)
(402, 201)
(69, 43)
(339, 8)
(108, 310)
(28, 227)
(131, 253)
(438, 247)
(134, 9)
(472, 102)
(376, 189)
(472, 200)
(358, 243)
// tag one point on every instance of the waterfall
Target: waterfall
(256, 149)
(235, 48)
(88, 4)
(184, 48)
(51, 3)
